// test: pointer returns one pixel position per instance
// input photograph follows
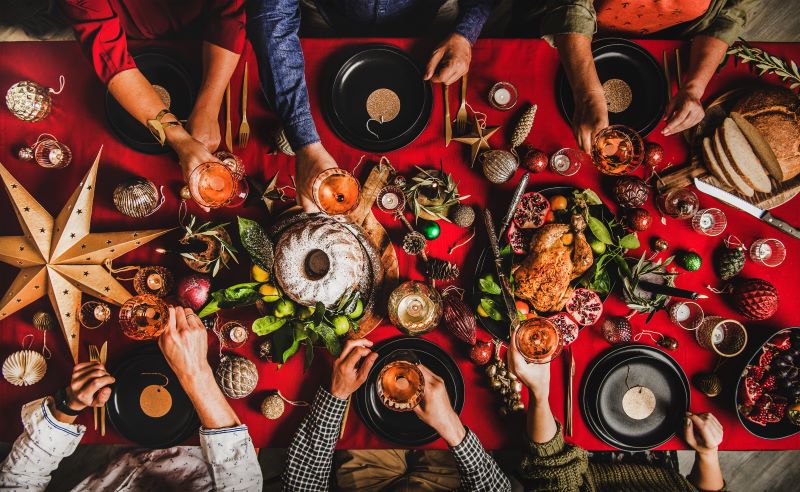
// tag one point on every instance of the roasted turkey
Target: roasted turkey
(543, 277)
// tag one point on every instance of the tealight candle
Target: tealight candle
(155, 281)
(503, 96)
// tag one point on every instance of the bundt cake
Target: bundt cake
(318, 260)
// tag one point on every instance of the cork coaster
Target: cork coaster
(618, 95)
(155, 401)
(163, 94)
(639, 402)
(383, 105)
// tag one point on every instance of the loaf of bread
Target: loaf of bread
(744, 160)
(727, 167)
(713, 164)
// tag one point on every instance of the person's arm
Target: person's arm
(226, 443)
(50, 435)
(478, 471)
(703, 433)
(591, 110)
(310, 457)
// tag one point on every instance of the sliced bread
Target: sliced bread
(712, 164)
(760, 146)
(744, 159)
(727, 167)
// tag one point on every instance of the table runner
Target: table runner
(78, 119)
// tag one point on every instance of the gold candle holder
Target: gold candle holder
(400, 383)
(415, 307)
(724, 337)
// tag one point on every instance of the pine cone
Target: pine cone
(462, 215)
(631, 192)
(523, 128)
(236, 376)
(730, 262)
(442, 270)
(414, 243)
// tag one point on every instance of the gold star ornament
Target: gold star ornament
(478, 139)
(60, 258)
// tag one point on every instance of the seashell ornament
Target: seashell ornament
(138, 197)
(499, 165)
(24, 368)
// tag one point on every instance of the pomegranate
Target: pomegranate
(568, 328)
(517, 239)
(193, 291)
(584, 306)
(531, 211)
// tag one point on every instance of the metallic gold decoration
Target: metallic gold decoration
(60, 258)
(185, 194)
(236, 376)
(30, 101)
(138, 197)
(24, 368)
(163, 94)
(93, 314)
(25, 154)
(383, 105)
(499, 165)
(273, 406)
(43, 321)
(478, 139)
(618, 95)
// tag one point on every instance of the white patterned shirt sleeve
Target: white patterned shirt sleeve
(231, 458)
(37, 452)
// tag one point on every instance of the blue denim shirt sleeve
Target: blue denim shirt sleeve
(472, 16)
(272, 26)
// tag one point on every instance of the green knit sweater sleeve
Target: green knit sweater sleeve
(554, 465)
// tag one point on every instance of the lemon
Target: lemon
(269, 293)
(259, 274)
(482, 312)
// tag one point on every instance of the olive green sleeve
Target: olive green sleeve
(554, 465)
(568, 16)
(730, 21)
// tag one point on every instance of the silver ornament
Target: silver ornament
(25, 154)
(499, 165)
(29, 101)
(137, 198)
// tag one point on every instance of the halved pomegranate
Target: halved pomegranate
(531, 211)
(517, 239)
(584, 306)
(568, 328)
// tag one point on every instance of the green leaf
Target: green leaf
(590, 197)
(257, 243)
(329, 338)
(210, 308)
(506, 251)
(490, 306)
(489, 286)
(268, 324)
(599, 230)
(284, 344)
(319, 314)
(630, 241)
(309, 357)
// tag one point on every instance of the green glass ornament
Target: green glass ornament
(691, 261)
(730, 262)
(431, 230)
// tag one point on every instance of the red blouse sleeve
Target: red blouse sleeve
(100, 33)
(225, 26)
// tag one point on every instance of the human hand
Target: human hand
(185, 346)
(346, 376)
(450, 60)
(88, 386)
(310, 161)
(536, 377)
(589, 117)
(203, 125)
(702, 432)
(436, 410)
(684, 110)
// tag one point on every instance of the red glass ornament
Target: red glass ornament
(639, 219)
(653, 154)
(481, 352)
(534, 160)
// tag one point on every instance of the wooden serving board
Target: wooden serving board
(716, 111)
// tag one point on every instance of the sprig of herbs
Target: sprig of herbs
(630, 282)
(434, 182)
(766, 63)
(215, 232)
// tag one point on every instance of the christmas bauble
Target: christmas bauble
(661, 244)
(691, 261)
(431, 230)
(25, 153)
(639, 219)
(631, 192)
(668, 342)
(29, 101)
(44, 321)
(273, 406)
(458, 317)
(617, 329)
(730, 261)
(236, 376)
(532, 159)
(137, 197)
(265, 350)
(755, 298)
(498, 165)
(653, 154)
(481, 352)
(708, 384)
(462, 215)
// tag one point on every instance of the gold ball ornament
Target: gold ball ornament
(43, 321)
(498, 165)
(185, 194)
(273, 406)
(29, 101)
(236, 376)
(137, 197)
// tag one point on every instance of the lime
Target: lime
(284, 308)
(482, 312)
(259, 274)
(306, 312)
(358, 311)
(598, 246)
(341, 325)
(269, 293)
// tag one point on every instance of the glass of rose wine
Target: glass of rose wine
(335, 191)
(617, 150)
(212, 185)
(538, 340)
(400, 384)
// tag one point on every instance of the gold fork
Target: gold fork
(461, 116)
(448, 124)
(228, 136)
(244, 128)
(99, 355)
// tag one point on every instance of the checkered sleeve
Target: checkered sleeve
(308, 466)
(478, 470)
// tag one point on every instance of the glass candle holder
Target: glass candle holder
(617, 150)
(567, 162)
(681, 203)
(49, 153)
(335, 191)
(153, 280)
(400, 385)
(143, 317)
(212, 185)
(232, 334)
(415, 308)
(686, 314)
(538, 340)
(709, 221)
(93, 314)
(503, 96)
(769, 252)
(725, 337)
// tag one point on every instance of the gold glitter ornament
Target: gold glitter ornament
(523, 128)
(618, 95)
(138, 197)
(499, 165)
(236, 376)
(273, 406)
(30, 101)
(44, 321)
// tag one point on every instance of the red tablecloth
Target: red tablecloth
(78, 119)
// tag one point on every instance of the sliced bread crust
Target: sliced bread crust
(727, 167)
(760, 146)
(713, 164)
(744, 160)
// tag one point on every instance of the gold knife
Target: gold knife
(448, 125)
(103, 356)
(228, 135)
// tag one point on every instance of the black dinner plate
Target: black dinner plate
(625, 60)
(608, 378)
(373, 67)
(405, 428)
(132, 376)
(160, 69)
(485, 264)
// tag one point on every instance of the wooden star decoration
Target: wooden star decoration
(56, 253)
(477, 139)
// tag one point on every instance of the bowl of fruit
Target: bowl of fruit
(560, 255)
(768, 393)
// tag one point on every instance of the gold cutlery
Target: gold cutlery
(99, 355)
(678, 68)
(461, 116)
(570, 379)
(244, 128)
(448, 125)
(667, 76)
(228, 136)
